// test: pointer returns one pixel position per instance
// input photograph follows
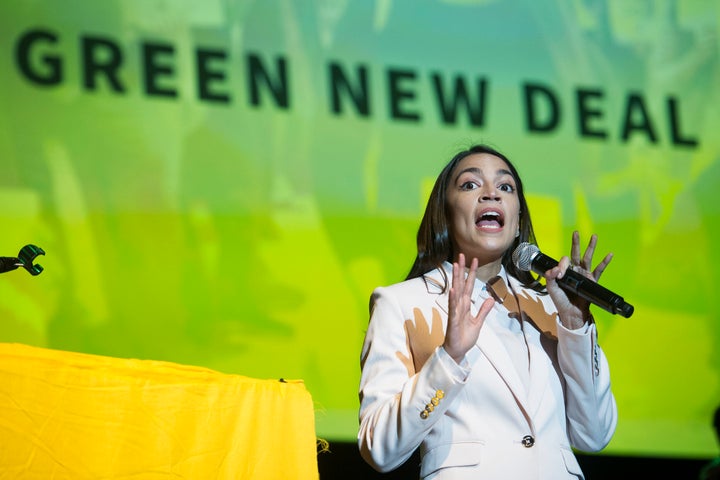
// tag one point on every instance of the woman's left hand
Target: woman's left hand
(574, 311)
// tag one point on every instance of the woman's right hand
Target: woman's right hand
(463, 328)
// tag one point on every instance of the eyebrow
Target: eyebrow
(476, 170)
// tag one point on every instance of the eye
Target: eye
(468, 185)
(506, 187)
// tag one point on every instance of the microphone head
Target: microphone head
(523, 255)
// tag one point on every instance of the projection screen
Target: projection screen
(224, 183)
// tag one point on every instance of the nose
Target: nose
(489, 193)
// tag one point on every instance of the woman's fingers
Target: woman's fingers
(598, 271)
(585, 261)
(589, 252)
(470, 279)
(463, 328)
(485, 308)
(575, 249)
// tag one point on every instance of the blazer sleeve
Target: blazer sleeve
(392, 396)
(590, 405)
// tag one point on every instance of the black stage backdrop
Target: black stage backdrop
(343, 461)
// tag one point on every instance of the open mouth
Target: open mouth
(490, 219)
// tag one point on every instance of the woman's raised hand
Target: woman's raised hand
(463, 327)
(574, 311)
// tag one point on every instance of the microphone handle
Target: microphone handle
(582, 286)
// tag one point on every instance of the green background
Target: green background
(248, 237)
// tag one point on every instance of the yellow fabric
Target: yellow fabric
(67, 415)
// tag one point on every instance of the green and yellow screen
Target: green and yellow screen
(223, 184)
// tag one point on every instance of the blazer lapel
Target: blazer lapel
(494, 350)
(534, 312)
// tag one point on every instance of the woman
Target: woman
(491, 374)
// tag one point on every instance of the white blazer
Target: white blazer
(505, 414)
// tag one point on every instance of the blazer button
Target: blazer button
(528, 441)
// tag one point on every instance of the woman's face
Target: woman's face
(484, 207)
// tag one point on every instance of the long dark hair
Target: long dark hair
(434, 244)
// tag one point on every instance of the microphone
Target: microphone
(528, 257)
